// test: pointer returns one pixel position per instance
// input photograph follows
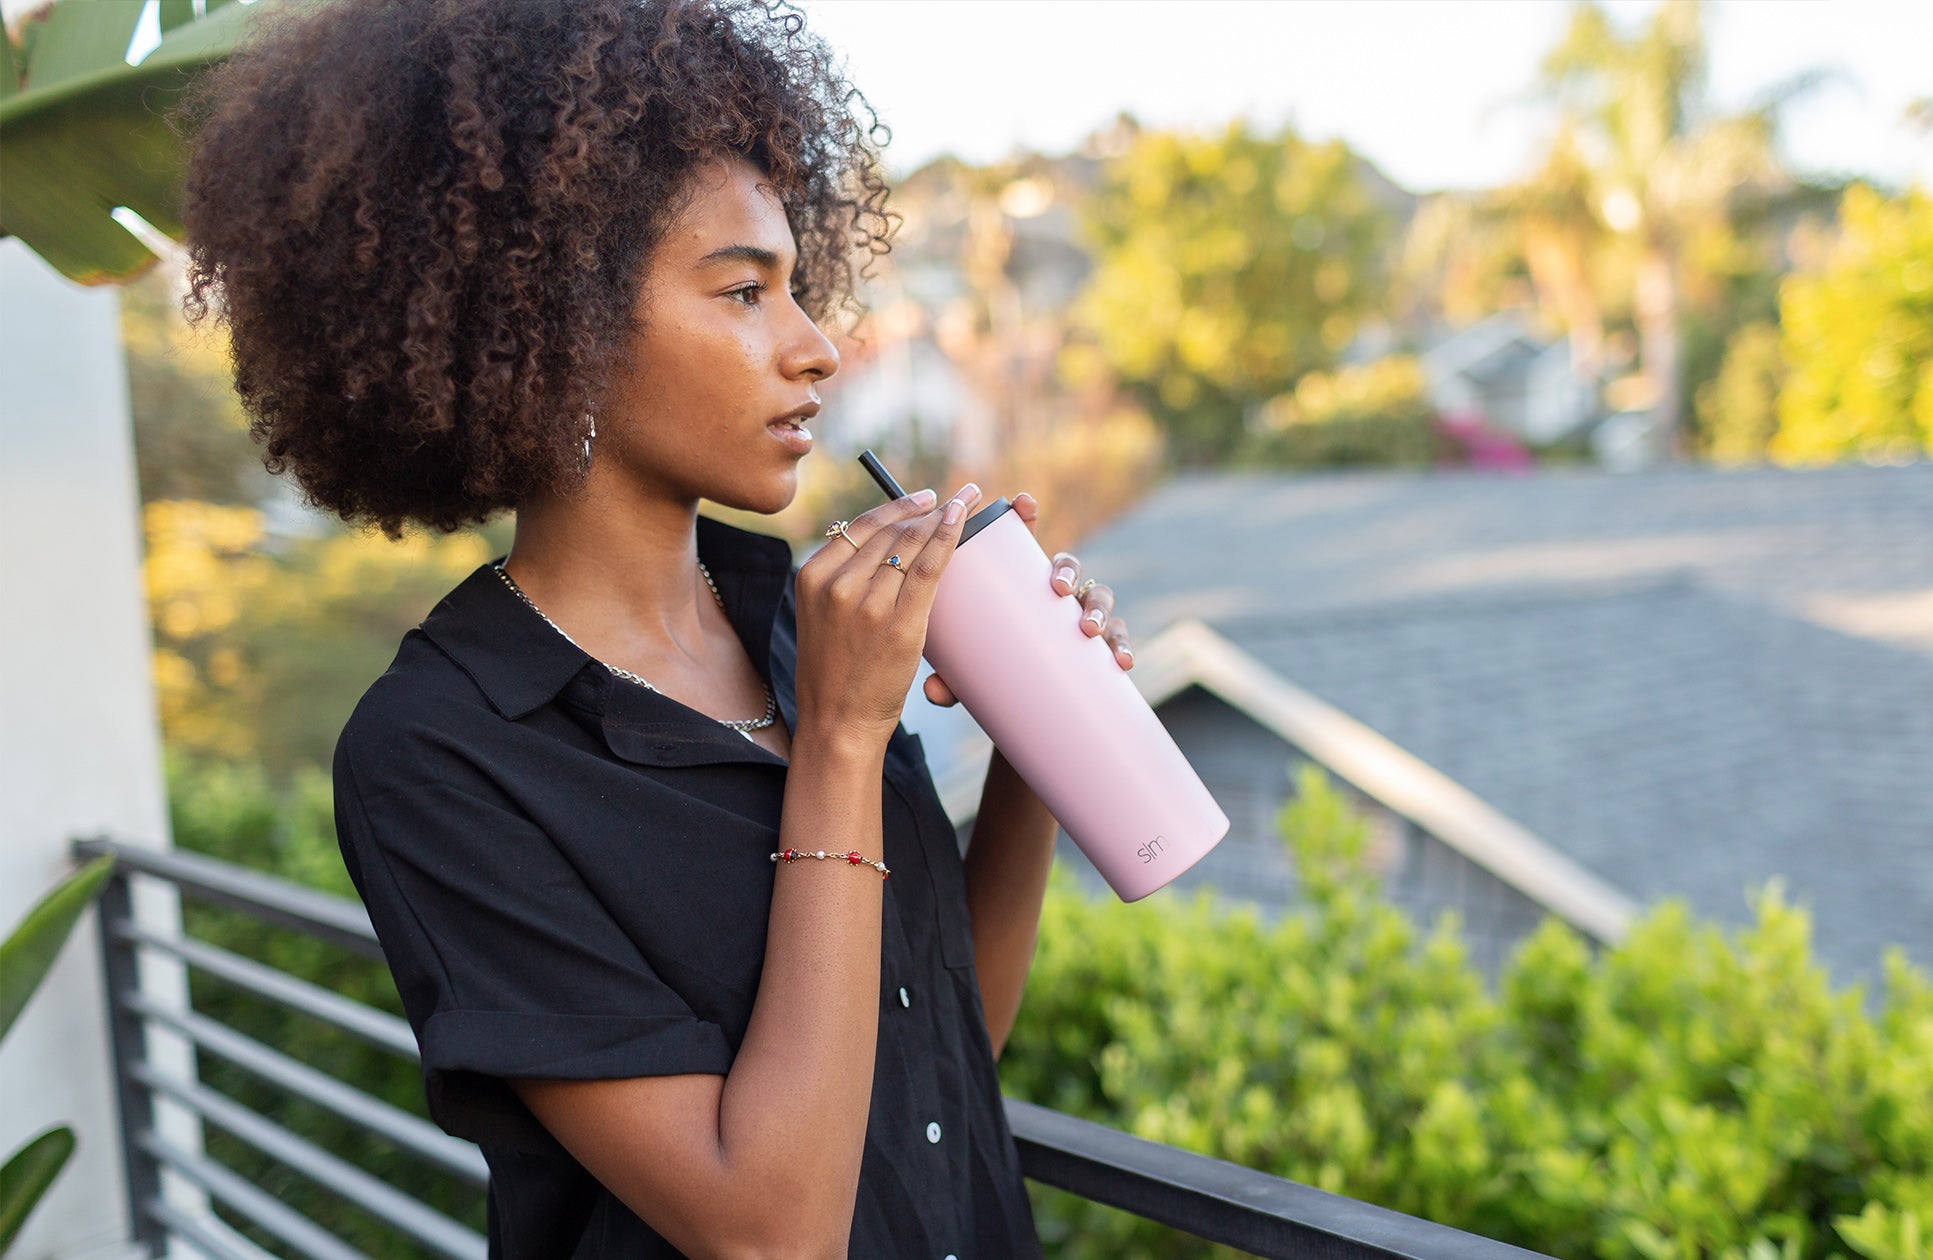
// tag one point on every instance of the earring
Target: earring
(591, 418)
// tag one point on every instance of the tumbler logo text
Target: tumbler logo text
(1152, 850)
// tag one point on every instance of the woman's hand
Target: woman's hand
(1097, 620)
(862, 623)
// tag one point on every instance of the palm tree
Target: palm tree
(1643, 164)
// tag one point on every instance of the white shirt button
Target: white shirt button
(933, 1131)
(904, 998)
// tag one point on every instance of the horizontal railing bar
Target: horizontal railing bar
(251, 1201)
(334, 919)
(411, 1133)
(210, 1235)
(368, 1192)
(1225, 1202)
(379, 1028)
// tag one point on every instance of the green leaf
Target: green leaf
(81, 39)
(87, 134)
(176, 13)
(28, 1174)
(28, 954)
(9, 66)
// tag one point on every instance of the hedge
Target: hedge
(1688, 1093)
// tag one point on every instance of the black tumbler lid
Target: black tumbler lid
(890, 484)
(983, 518)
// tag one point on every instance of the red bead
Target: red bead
(854, 857)
(789, 854)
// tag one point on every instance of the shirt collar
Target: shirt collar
(521, 663)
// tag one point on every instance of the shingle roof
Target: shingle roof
(1690, 681)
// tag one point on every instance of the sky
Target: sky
(1423, 88)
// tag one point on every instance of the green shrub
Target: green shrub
(1685, 1094)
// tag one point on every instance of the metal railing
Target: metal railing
(1209, 1198)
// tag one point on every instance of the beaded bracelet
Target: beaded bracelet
(853, 856)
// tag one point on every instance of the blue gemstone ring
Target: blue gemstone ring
(894, 561)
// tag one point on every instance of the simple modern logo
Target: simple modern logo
(1152, 850)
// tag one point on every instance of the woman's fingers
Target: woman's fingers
(1026, 508)
(933, 539)
(1067, 573)
(1097, 607)
(938, 692)
(1098, 603)
(868, 524)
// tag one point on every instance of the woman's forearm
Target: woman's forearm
(765, 1159)
(792, 1117)
(1007, 860)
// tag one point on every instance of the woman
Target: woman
(568, 259)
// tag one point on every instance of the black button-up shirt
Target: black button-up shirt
(570, 876)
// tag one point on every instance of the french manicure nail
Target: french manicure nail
(1128, 652)
(1093, 618)
(1065, 574)
(955, 508)
(925, 498)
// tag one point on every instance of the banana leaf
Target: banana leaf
(82, 132)
(28, 954)
(26, 1178)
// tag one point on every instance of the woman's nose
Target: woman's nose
(811, 352)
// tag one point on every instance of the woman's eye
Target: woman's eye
(747, 295)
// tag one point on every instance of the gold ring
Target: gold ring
(1084, 589)
(894, 561)
(839, 528)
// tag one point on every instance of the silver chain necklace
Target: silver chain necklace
(744, 726)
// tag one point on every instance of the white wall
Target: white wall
(79, 742)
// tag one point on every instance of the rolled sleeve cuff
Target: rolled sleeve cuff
(469, 1056)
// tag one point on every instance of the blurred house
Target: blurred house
(968, 312)
(1500, 372)
(1570, 693)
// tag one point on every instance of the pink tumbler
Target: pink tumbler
(1061, 709)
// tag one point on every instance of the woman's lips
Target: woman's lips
(792, 434)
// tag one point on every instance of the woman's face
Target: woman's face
(724, 353)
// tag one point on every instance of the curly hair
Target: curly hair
(425, 224)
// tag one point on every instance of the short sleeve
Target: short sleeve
(507, 963)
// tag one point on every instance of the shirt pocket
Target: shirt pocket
(908, 774)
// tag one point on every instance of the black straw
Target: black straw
(884, 478)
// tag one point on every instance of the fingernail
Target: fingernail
(968, 492)
(925, 498)
(1094, 617)
(1065, 574)
(955, 509)
(1129, 653)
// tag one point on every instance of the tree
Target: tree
(190, 433)
(1738, 409)
(262, 646)
(1226, 267)
(1858, 336)
(1646, 187)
